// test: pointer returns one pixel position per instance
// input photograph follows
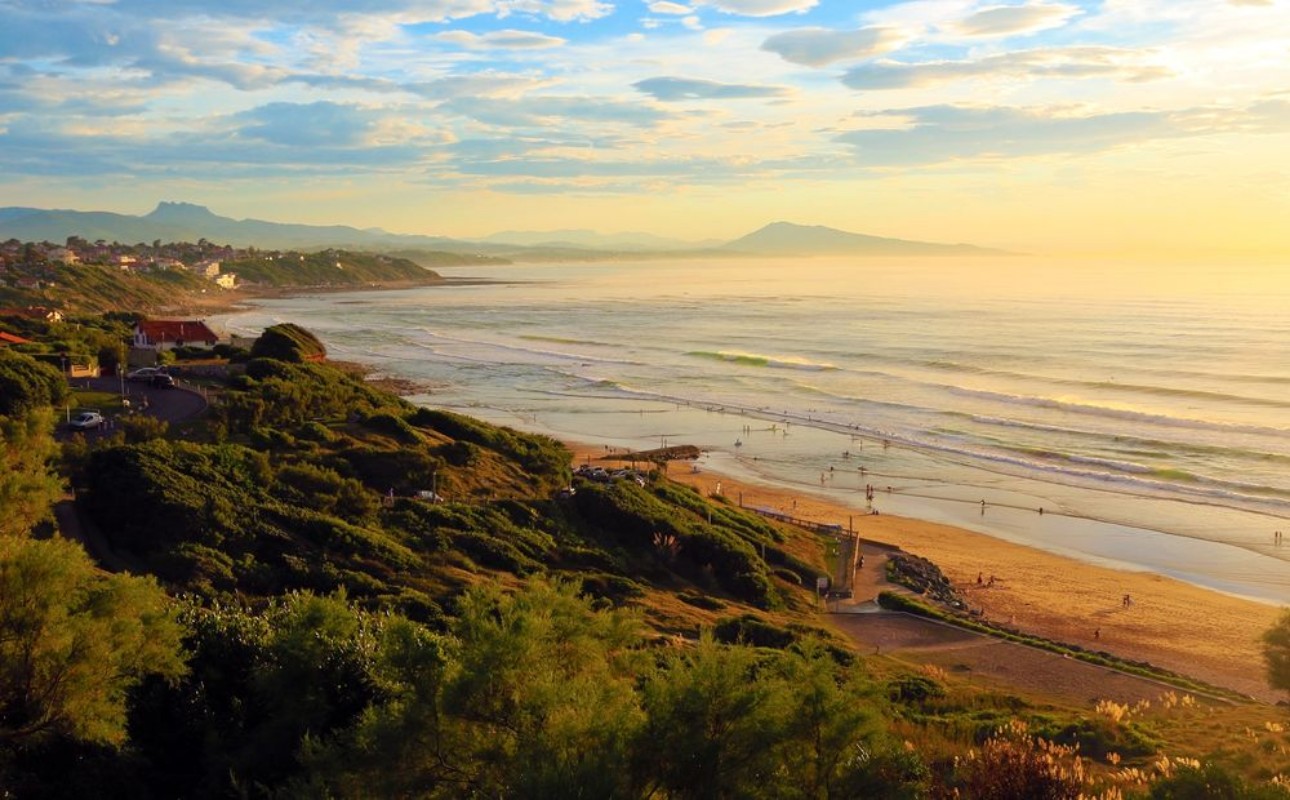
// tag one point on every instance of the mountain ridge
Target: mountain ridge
(788, 238)
(182, 221)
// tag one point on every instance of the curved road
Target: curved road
(172, 405)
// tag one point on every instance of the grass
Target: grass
(102, 401)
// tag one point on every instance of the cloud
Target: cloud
(1061, 63)
(762, 8)
(507, 39)
(1016, 20)
(673, 89)
(307, 124)
(665, 7)
(330, 13)
(476, 84)
(540, 111)
(817, 47)
(938, 134)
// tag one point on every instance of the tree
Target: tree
(27, 384)
(1276, 652)
(835, 743)
(716, 716)
(73, 642)
(27, 489)
(533, 696)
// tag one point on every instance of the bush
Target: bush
(1212, 782)
(754, 631)
(913, 689)
(288, 342)
(26, 384)
(394, 426)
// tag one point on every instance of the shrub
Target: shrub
(914, 689)
(752, 630)
(288, 342)
(26, 384)
(394, 426)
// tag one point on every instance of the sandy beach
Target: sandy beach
(1205, 634)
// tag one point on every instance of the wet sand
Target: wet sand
(1175, 625)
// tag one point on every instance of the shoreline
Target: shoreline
(1196, 631)
(1174, 624)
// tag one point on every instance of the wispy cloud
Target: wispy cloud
(508, 39)
(1027, 18)
(671, 89)
(1059, 63)
(818, 47)
(762, 8)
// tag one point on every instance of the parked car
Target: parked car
(162, 381)
(86, 420)
(142, 374)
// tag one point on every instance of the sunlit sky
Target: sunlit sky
(1158, 127)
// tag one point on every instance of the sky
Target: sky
(1158, 128)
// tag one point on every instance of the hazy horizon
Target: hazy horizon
(1145, 129)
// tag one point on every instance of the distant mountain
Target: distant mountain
(787, 239)
(185, 222)
(592, 240)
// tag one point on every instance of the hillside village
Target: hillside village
(99, 276)
(29, 264)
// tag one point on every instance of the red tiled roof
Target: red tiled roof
(9, 338)
(176, 330)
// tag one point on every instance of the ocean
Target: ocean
(1146, 410)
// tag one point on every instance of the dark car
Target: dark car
(161, 381)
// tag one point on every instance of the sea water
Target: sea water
(1145, 409)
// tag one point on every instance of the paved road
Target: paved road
(171, 405)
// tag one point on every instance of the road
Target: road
(171, 405)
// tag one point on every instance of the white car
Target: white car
(143, 374)
(86, 420)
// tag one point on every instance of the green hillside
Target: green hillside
(327, 268)
(348, 596)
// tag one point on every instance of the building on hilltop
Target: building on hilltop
(62, 255)
(167, 334)
(33, 312)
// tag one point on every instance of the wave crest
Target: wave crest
(758, 360)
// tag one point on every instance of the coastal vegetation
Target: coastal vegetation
(101, 276)
(346, 595)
